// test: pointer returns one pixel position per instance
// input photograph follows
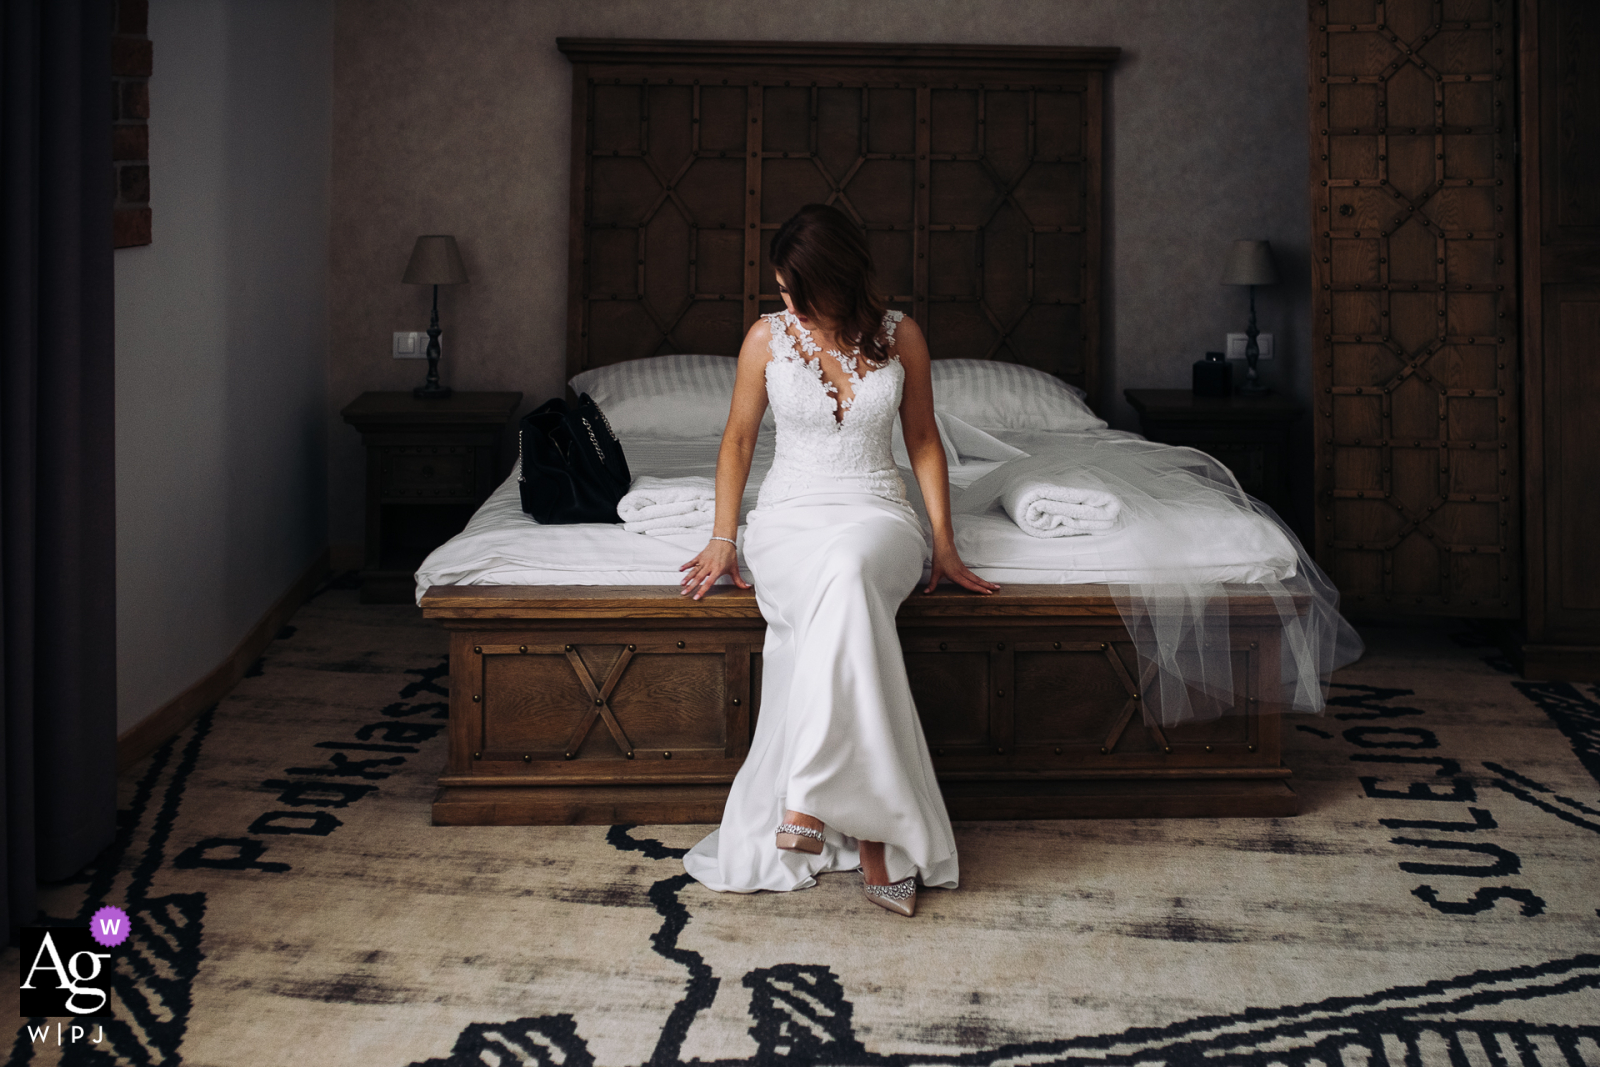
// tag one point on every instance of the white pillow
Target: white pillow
(1007, 396)
(663, 396)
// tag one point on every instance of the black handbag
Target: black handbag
(572, 466)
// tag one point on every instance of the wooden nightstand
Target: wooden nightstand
(430, 464)
(1248, 434)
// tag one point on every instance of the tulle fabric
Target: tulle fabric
(1172, 499)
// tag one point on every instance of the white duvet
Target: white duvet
(1192, 540)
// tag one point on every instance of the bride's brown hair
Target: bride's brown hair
(827, 269)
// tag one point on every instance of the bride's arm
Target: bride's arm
(721, 557)
(927, 458)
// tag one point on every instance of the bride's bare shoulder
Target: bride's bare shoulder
(905, 328)
(906, 339)
(760, 330)
(757, 341)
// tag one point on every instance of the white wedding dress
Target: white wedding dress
(833, 549)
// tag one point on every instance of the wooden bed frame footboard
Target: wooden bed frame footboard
(628, 704)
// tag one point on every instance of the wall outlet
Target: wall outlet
(413, 344)
(1237, 341)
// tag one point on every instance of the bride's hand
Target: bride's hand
(946, 564)
(715, 560)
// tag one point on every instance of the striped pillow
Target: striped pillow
(664, 396)
(1006, 396)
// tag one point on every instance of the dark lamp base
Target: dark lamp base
(431, 392)
(1253, 389)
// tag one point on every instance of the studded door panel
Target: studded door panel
(1413, 214)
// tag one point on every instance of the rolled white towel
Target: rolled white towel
(667, 506)
(1046, 508)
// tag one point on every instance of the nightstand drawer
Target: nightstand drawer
(430, 463)
(428, 472)
(1249, 462)
(1250, 435)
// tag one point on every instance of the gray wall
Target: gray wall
(453, 118)
(222, 339)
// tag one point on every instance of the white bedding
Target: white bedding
(504, 546)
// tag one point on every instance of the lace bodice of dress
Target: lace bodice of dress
(817, 449)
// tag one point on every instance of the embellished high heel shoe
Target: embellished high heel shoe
(899, 897)
(792, 838)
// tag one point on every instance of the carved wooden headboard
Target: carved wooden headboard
(975, 170)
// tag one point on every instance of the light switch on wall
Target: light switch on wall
(1237, 341)
(413, 344)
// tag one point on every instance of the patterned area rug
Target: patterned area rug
(1434, 906)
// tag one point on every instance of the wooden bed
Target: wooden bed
(976, 171)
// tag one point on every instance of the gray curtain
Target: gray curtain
(57, 509)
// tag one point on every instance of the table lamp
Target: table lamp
(435, 261)
(1250, 263)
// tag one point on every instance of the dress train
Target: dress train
(837, 735)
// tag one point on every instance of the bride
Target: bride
(838, 776)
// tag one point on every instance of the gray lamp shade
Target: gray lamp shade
(435, 261)
(1250, 263)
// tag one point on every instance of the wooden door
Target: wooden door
(1415, 333)
(1561, 337)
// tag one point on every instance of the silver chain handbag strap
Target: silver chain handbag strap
(598, 450)
(607, 422)
(593, 439)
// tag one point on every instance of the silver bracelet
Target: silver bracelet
(730, 540)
